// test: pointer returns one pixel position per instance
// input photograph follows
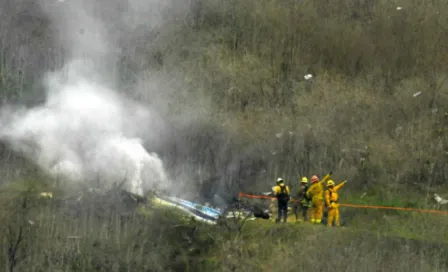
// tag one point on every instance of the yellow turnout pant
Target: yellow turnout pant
(317, 211)
(333, 215)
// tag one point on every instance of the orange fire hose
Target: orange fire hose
(358, 206)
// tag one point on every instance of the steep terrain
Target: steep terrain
(218, 94)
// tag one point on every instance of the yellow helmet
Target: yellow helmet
(330, 183)
(304, 180)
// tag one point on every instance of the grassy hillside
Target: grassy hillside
(228, 79)
(40, 236)
(229, 76)
(368, 59)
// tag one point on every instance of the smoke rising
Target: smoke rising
(86, 131)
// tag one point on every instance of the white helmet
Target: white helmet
(279, 180)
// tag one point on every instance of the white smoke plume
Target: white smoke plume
(86, 131)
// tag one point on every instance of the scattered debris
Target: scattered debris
(309, 76)
(74, 237)
(363, 195)
(46, 195)
(200, 212)
(440, 201)
(279, 135)
(399, 8)
(31, 222)
(211, 215)
(241, 214)
(417, 94)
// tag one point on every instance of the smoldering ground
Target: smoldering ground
(87, 130)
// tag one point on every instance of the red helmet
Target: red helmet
(314, 179)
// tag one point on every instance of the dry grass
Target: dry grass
(158, 240)
(241, 64)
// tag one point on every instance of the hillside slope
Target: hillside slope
(227, 80)
(40, 236)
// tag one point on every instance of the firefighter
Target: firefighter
(331, 200)
(281, 192)
(302, 203)
(315, 193)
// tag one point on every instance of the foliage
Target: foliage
(228, 79)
